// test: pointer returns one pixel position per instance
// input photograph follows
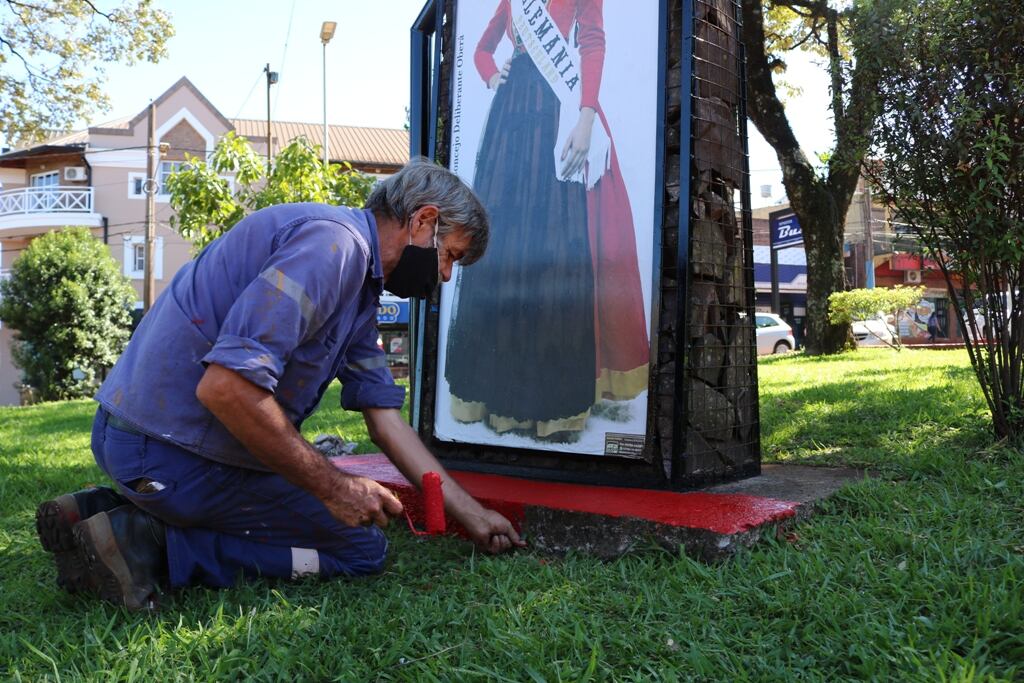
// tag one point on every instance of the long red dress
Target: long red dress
(621, 341)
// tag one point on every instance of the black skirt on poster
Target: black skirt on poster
(521, 342)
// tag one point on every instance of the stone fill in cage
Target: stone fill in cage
(720, 351)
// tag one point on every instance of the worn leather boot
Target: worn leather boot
(55, 521)
(124, 552)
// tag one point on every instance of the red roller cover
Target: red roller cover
(433, 503)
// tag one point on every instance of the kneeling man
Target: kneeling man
(199, 420)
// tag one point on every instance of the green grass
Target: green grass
(916, 574)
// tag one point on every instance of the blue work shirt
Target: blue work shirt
(287, 299)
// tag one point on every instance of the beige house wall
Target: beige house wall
(9, 374)
(13, 178)
(190, 127)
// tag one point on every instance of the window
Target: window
(48, 179)
(139, 257)
(166, 169)
(47, 197)
(135, 257)
(136, 185)
(137, 181)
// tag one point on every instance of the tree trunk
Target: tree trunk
(820, 203)
(822, 219)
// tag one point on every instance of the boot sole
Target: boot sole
(55, 521)
(106, 567)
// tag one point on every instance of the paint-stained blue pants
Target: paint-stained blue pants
(223, 521)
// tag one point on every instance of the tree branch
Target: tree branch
(835, 65)
(26, 5)
(853, 124)
(768, 113)
(108, 17)
(32, 74)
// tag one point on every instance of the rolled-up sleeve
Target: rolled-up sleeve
(366, 381)
(316, 265)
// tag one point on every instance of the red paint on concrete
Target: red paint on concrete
(723, 513)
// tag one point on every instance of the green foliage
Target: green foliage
(911, 575)
(787, 31)
(865, 304)
(950, 144)
(70, 307)
(51, 57)
(206, 207)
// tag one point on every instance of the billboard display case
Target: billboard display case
(606, 335)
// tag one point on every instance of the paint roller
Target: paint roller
(433, 506)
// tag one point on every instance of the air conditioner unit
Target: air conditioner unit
(75, 173)
(912, 277)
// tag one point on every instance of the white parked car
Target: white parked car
(873, 332)
(774, 335)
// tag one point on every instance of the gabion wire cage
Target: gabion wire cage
(719, 375)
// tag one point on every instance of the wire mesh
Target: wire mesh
(722, 435)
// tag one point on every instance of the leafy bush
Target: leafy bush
(950, 149)
(206, 206)
(864, 304)
(70, 308)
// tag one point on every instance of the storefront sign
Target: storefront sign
(785, 229)
(393, 313)
(912, 262)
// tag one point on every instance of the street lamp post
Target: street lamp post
(326, 33)
(272, 79)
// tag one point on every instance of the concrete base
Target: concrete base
(608, 521)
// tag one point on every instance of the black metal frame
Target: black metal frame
(653, 471)
(686, 86)
(422, 112)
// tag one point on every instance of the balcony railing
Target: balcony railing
(30, 200)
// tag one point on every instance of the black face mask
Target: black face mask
(416, 274)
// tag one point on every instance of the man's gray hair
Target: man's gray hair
(422, 182)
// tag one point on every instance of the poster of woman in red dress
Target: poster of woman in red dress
(544, 341)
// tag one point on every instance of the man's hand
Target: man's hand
(491, 532)
(255, 418)
(488, 529)
(358, 501)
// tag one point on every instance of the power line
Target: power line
(284, 54)
(247, 97)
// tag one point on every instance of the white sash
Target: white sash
(559, 63)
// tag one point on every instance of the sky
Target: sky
(222, 46)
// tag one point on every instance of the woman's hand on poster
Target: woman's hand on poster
(574, 154)
(499, 78)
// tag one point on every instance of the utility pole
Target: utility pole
(326, 33)
(868, 235)
(272, 78)
(149, 285)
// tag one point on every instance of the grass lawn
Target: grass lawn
(917, 574)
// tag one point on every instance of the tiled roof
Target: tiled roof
(81, 137)
(385, 146)
(358, 145)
